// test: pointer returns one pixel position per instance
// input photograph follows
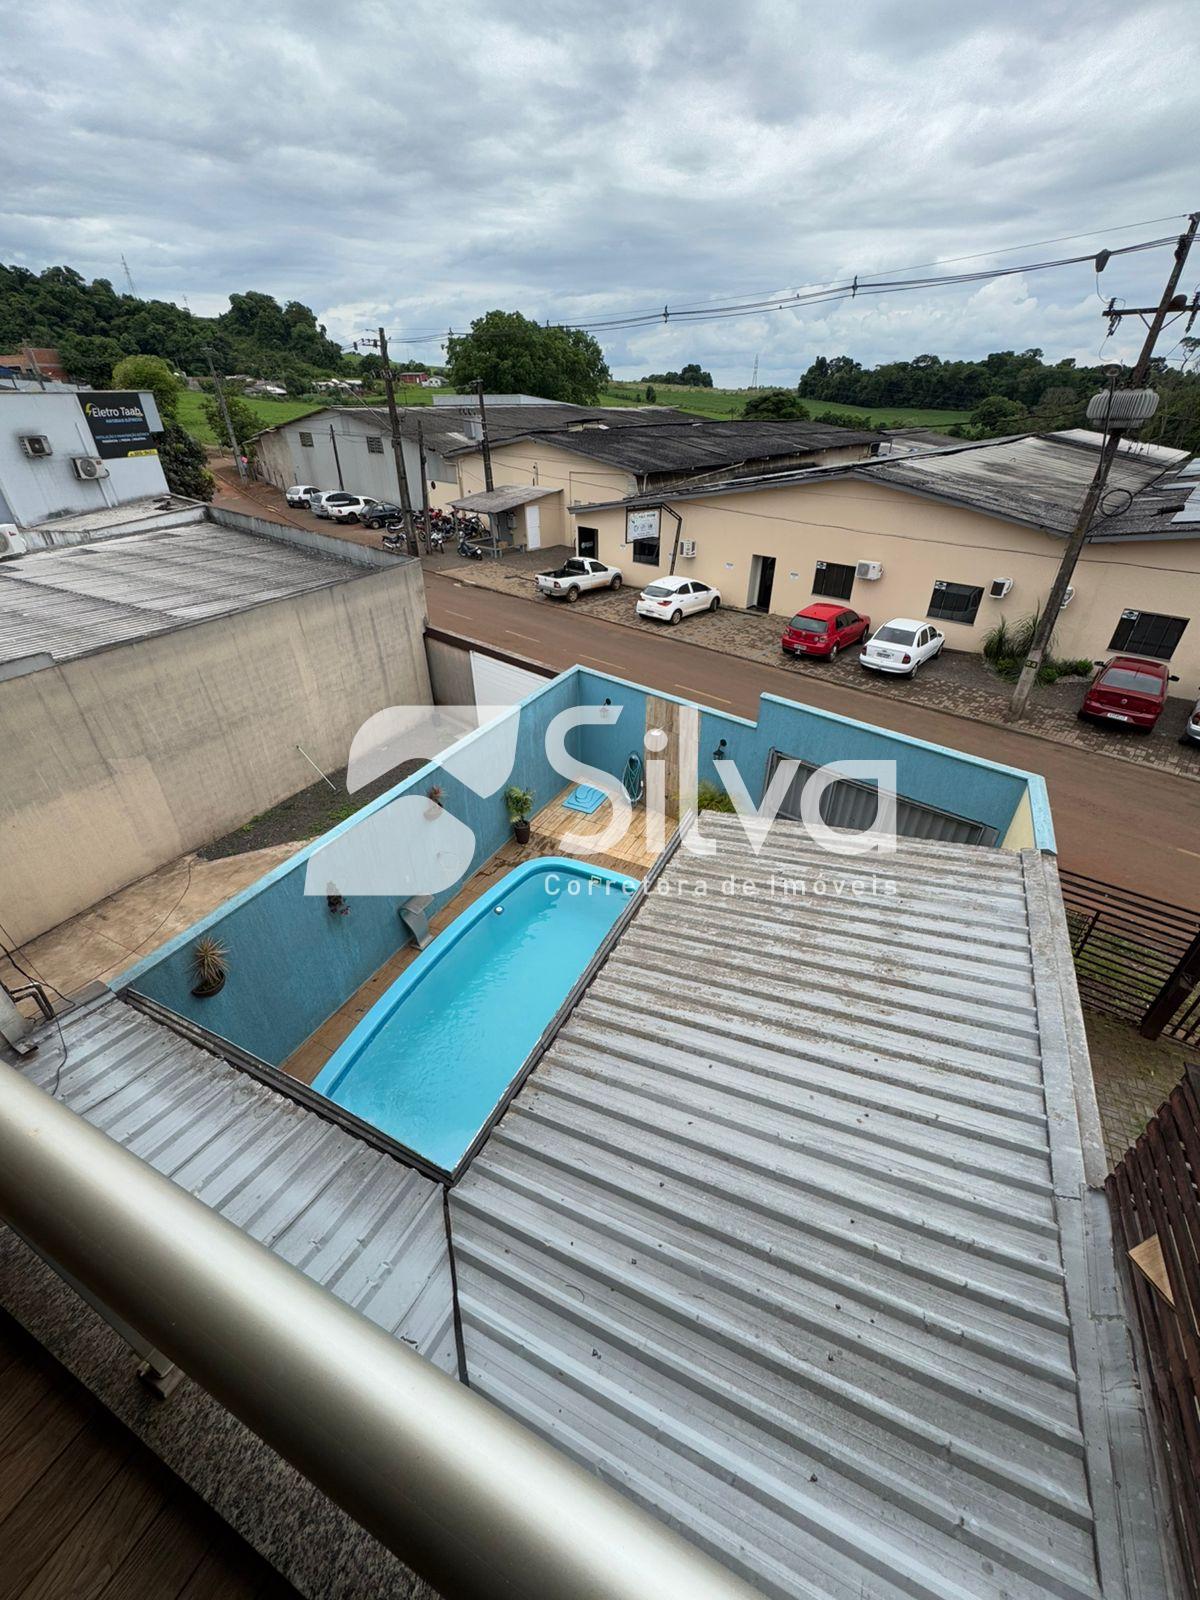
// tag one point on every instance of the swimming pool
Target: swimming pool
(431, 1060)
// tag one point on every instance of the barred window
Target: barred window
(306, 441)
(374, 445)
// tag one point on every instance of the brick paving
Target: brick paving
(958, 682)
(1133, 1076)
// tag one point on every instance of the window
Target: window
(1146, 633)
(847, 619)
(645, 551)
(832, 580)
(890, 635)
(1126, 681)
(374, 445)
(954, 602)
(306, 441)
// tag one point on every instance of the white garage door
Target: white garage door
(499, 683)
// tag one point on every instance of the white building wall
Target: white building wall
(36, 490)
(344, 459)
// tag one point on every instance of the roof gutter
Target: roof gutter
(465, 1496)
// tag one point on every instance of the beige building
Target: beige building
(965, 536)
(616, 454)
(158, 688)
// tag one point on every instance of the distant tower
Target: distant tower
(753, 375)
(128, 276)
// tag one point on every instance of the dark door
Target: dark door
(589, 542)
(766, 582)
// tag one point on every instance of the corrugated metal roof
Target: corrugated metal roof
(697, 444)
(69, 601)
(781, 1239)
(502, 499)
(369, 1229)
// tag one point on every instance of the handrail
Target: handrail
(464, 1495)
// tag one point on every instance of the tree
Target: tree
(691, 376)
(149, 372)
(245, 423)
(512, 355)
(775, 405)
(651, 393)
(183, 462)
(90, 358)
(998, 415)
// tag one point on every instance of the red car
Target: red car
(822, 630)
(1130, 690)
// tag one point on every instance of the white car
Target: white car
(1191, 728)
(901, 646)
(299, 494)
(672, 599)
(322, 504)
(352, 507)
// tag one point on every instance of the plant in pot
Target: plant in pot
(520, 806)
(208, 966)
(434, 809)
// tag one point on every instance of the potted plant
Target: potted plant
(434, 809)
(208, 966)
(519, 803)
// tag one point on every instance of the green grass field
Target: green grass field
(191, 414)
(727, 403)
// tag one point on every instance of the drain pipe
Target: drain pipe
(465, 1496)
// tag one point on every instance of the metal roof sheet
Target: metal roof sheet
(502, 499)
(782, 1236)
(696, 444)
(67, 602)
(355, 1220)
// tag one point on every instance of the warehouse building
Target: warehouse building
(965, 536)
(159, 687)
(67, 451)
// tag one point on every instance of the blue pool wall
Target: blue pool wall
(292, 963)
(966, 785)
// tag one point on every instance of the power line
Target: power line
(718, 307)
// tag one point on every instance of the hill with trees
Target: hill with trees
(94, 327)
(691, 376)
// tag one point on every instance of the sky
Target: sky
(417, 165)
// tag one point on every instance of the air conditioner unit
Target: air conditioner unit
(687, 549)
(1067, 598)
(1000, 587)
(870, 570)
(35, 445)
(89, 467)
(12, 543)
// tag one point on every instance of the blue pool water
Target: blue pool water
(432, 1058)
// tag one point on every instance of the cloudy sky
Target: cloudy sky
(420, 163)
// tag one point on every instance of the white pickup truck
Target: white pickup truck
(570, 580)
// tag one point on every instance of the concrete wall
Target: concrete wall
(122, 760)
(345, 460)
(919, 540)
(35, 490)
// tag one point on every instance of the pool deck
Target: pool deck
(634, 855)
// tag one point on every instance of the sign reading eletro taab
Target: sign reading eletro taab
(118, 423)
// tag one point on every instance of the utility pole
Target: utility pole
(410, 538)
(1114, 434)
(486, 443)
(424, 481)
(224, 409)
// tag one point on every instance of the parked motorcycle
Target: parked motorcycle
(471, 551)
(394, 539)
(437, 540)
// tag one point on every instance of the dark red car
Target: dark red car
(1130, 690)
(822, 630)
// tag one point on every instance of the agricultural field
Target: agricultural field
(723, 404)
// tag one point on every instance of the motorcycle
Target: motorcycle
(393, 538)
(437, 540)
(471, 551)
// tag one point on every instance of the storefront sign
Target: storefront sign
(118, 423)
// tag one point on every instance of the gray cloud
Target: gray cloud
(422, 164)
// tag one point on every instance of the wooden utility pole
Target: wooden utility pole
(484, 440)
(380, 343)
(224, 409)
(424, 480)
(1112, 442)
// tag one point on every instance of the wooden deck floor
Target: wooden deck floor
(634, 855)
(87, 1512)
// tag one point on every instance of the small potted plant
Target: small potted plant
(520, 805)
(434, 809)
(208, 966)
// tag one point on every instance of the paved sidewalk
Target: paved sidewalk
(1133, 1076)
(958, 682)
